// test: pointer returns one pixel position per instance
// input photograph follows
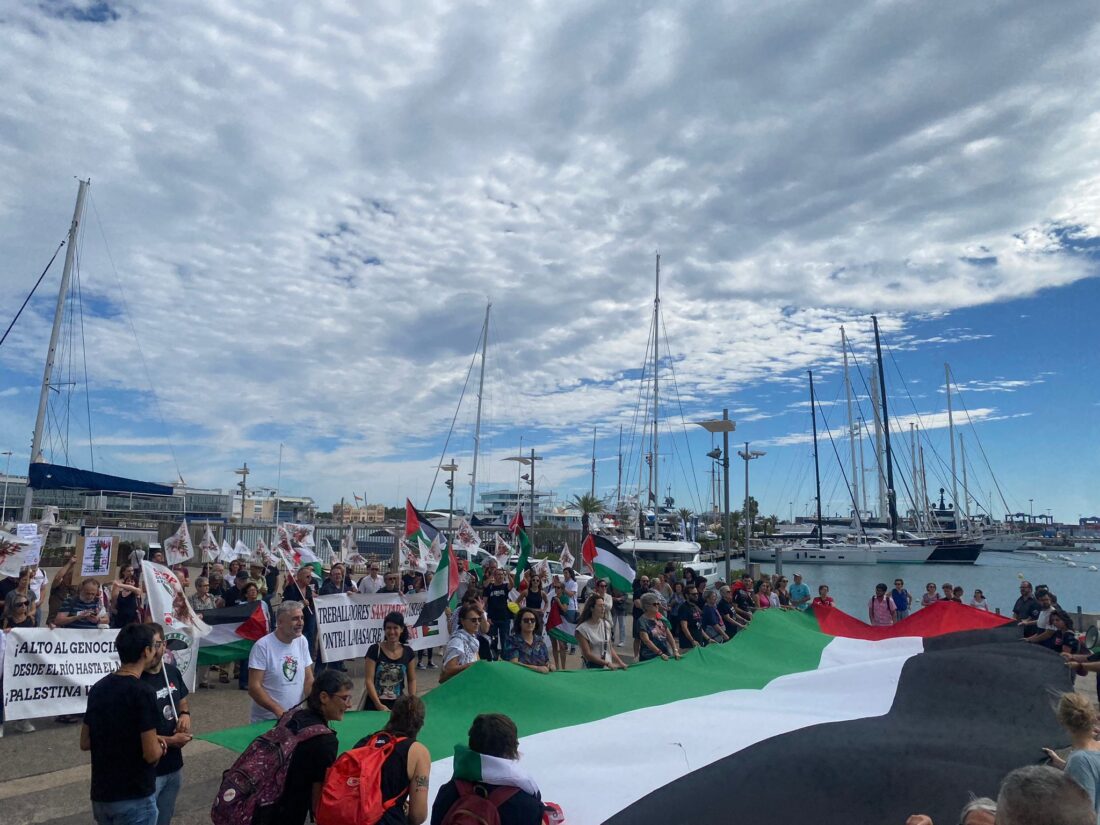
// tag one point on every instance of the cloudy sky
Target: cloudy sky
(299, 211)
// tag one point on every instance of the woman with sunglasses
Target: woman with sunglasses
(979, 601)
(18, 612)
(524, 645)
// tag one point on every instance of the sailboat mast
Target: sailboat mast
(480, 393)
(817, 469)
(966, 487)
(951, 435)
(851, 430)
(891, 497)
(51, 353)
(619, 482)
(592, 492)
(913, 463)
(862, 466)
(879, 475)
(656, 400)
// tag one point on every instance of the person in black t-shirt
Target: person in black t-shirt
(327, 702)
(404, 774)
(641, 586)
(120, 730)
(494, 734)
(1026, 610)
(496, 606)
(689, 620)
(173, 724)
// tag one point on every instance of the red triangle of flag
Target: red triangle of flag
(255, 626)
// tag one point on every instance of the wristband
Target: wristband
(184, 713)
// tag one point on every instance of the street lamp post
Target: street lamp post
(749, 456)
(529, 477)
(243, 472)
(724, 426)
(451, 468)
(7, 470)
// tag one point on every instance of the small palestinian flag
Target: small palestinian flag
(445, 581)
(233, 630)
(515, 526)
(479, 767)
(828, 728)
(606, 561)
(558, 626)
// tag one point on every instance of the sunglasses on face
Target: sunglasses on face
(21, 604)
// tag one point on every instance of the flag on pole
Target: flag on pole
(178, 547)
(465, 536)
(607, 561)
(444, 583)
(410, 558)
(264, 554)
(168, 606)
(566, 557)
(13, 550)
(542, 570)
(515, 526)
(418, 529)
(208, 545)
(226, 554)
(357, 498)
(241, 551)
(503, 551)
(233, 630)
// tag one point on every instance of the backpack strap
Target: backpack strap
(502, 795)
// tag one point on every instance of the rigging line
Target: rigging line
(683, 421)
(30, 295)
(137, 341)
(84, 351)
(840, 464)
(447, 441)
(981, 448)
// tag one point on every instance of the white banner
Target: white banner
(349, 623)
(49, 672)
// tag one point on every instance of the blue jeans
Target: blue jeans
(168, 788)
(126, 811)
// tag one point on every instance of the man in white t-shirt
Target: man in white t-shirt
(280, 670)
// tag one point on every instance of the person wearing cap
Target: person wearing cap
(657, 641)
(799, 593)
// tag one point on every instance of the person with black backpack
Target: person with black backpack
(383, 780)
(489, 786)
(278, 779)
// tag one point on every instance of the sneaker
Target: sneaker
(618, 644)
(419, 665)
(1, 730)
(431, 665)
(572, 650)
(23, 726)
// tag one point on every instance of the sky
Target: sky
(298, 213)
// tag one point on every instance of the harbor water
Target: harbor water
(997, 575)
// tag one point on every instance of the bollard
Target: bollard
(1080, 620)
(997, 610)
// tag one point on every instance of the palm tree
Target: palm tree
(589, 505)
(685, 519)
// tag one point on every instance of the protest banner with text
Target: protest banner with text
(349, 623)
(49, 672)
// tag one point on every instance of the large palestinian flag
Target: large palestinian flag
(813, 725)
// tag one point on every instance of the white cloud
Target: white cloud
(309, 204)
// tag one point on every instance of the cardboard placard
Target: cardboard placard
(30, 531)
(97, 559)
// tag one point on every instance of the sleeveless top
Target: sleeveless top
(395, 780)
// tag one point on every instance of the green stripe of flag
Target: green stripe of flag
(538, 702)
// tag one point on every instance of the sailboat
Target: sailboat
(43, 475)
(650, 545)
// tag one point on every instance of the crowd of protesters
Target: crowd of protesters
(137, 769)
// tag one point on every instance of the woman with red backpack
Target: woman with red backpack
(383, 780)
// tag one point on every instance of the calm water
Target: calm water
(997, 575)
